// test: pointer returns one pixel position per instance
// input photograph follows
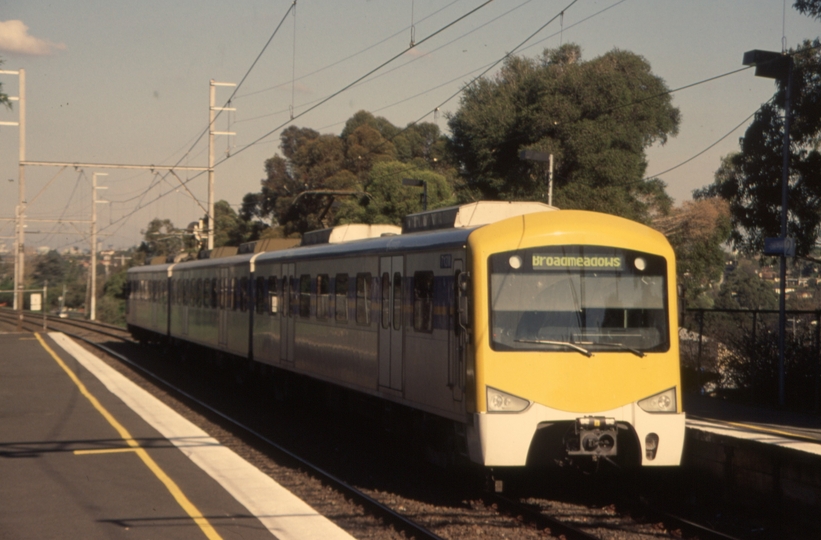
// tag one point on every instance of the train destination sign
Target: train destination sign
(561, 262)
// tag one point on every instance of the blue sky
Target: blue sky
(128, 82)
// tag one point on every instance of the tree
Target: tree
(811, 8)
(4, 99)
(750, 180)
(315, 170)
(596, 118)
(162, 239)
(744, 289)
(389, 201)
(697, 230)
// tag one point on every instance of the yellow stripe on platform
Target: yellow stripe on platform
(108, 451)
(172, 487)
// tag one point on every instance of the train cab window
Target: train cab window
(243, 294)
(323, 298)
(397, 301)
(423, 301)
(273, 298)
(363, 298)
(305, 295)
(386, 300)
(341, 297)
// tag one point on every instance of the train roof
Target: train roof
(443, 228)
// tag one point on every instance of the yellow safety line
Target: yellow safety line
(172, 487)
(762, 429)
(109, 451)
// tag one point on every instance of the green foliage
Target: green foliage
(744, 289)
(750, 180)
(4, 99)
(316, 170)
(61, 270)
(389, 201)
(810, 8)
(697, 231)
(596, 118)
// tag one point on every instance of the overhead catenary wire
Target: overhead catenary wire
(340, 91)
(436, 108)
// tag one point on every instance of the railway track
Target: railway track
(534, 518)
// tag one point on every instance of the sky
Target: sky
(128, 83)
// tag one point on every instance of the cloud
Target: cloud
(14, 38)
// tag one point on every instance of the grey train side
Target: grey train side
(375, 316)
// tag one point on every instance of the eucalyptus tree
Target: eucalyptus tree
(596, 117)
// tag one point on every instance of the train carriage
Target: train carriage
(538, 335)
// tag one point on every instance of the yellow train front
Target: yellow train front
(571, 342)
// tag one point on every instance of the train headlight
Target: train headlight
(664, 402)
(498, 401)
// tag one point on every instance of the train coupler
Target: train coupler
(593, 436)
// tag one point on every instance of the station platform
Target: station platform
(85, 453)
(756, 455)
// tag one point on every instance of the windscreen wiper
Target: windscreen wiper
(560, 343)
(621, 346)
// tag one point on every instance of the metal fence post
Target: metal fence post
(698, 358)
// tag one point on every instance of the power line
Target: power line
(374, 70)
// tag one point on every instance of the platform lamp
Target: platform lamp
(773, 65)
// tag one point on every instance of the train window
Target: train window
(423, 301)
(243, 294)
(232, 296)
(305, 295)
(397, 301)
(206, 296)
(260, 295)
(386, 300)
(363, 299)
(294, 297)
(323, 298)
(214, 292)
(341, 297)
(286, 296)
(273, 299)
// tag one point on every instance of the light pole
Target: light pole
(773, 65)
(533, 155)
(419, 183)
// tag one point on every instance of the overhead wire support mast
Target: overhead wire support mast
(94, 201)
(19, 257)
(211, 109)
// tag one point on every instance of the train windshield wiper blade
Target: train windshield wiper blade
(561, 343)
(621, 346)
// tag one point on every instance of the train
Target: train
(521, 335)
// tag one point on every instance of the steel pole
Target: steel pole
(21, 196)
(785, 177)
(211, 224)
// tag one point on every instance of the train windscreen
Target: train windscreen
(579, 298)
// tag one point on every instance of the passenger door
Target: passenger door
(458, 340)
(286, 329)
(224, 306)
(390, 322)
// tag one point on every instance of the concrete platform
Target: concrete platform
(85, 453)
(756, 456)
